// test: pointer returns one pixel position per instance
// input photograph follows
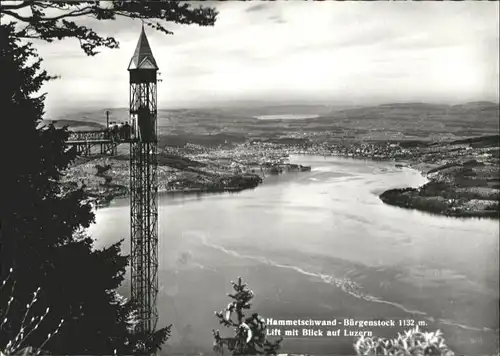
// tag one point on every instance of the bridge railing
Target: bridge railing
(89, 136)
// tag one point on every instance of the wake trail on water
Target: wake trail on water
(345, 284)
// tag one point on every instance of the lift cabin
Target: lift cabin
(144, 126)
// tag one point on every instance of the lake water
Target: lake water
(321, 245)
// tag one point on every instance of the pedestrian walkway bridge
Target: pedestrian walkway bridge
(95, 142)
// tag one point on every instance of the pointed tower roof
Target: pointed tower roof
(143, 56)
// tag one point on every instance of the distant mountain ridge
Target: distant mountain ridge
(278, 109)
(413, 119)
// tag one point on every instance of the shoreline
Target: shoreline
(469, 191)
(108, 199)
(463, 179)
(109, 181)
(191, 191)
(450, 194)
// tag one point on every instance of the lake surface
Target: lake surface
(321, 245)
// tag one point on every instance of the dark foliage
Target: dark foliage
(42, 229)
(59, 24)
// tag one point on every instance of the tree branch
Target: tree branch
(157, 14)
(80, 12)
(16, 16)
(13, 7)
(76, 13)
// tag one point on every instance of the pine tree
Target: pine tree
(42, 235)
(250, 332)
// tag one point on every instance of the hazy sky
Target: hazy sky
(293, 50)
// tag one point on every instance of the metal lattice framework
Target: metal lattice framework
(143, 179)
(144, 232)
(144, 185)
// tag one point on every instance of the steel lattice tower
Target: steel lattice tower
(144, 183)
